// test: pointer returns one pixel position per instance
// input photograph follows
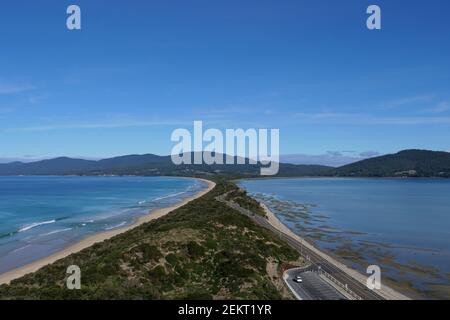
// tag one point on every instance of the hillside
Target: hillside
(147, 164)
(414, 163)
(219, 253)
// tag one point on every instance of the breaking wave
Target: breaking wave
(36, 224)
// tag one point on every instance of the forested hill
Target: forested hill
(148, 165)
(414, 163)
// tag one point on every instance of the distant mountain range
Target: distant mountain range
(414, 163)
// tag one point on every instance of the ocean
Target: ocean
(401, 225)
(41, 215)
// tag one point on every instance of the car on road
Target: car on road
(298, 279)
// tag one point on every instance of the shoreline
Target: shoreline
(8, 276)
(385, 291)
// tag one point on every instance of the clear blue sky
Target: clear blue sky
(139, 69)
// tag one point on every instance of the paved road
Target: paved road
(313, 287)
(357, 287)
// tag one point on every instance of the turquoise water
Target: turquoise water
(41, 215)
(402, 225)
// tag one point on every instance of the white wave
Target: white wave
(55, 231)
(36, 224)
(21, 248)
(169, 196)
(84, 223)
(116, 226)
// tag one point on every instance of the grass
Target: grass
(203, 250)
(240, 197)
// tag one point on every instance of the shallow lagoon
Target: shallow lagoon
(402, 225)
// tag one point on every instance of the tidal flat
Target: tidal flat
(398, 225)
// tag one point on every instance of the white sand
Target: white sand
(99, 237)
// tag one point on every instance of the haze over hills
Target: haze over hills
(420, 163)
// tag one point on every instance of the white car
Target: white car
(298, 279)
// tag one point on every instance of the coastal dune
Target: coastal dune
(7, 277)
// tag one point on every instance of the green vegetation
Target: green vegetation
(409, 163)
(240, 197)
(148, 165)
(202, 250)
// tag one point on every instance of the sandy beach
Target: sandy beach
(99, 237)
